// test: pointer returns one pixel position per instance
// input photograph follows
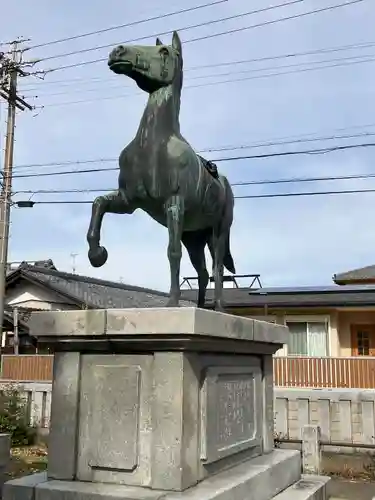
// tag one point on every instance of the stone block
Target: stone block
(115, 419)
(67, 323)
(268, 401)
(23, 488)
(263, 333)
(311, 451)
(157, 398)
(62, 441)
(259, 479)
(307, 488)
(5, 443)
(155, 321)
(176, 417)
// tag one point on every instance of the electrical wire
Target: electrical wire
(213, 35)
(183, 28)
(285, 140)
(215, 83)
(287, 55)
(223, 159)
(250, 196)
(290, 180)
(127, 25)
(355, 59)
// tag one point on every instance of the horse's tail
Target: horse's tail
(227, 223)
(228, 259)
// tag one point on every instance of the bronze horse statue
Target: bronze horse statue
(161, 174)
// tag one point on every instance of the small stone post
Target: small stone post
(5, 443)
(311, 452)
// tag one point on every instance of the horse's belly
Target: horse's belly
(155, 211)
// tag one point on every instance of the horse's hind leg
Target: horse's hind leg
(195, 242)
(114, 202)
(175, 219)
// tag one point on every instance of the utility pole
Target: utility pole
(73, 257)
(15, 331)
(10, 69)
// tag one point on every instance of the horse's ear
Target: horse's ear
(158, 41)
(176, 43)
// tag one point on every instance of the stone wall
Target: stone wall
(342, 414)
(38, 399)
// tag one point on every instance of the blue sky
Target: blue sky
(289, 241)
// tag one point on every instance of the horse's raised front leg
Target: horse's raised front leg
(175, 220)
(114, 202)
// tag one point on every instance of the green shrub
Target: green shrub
(14, 417)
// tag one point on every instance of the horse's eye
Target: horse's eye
(164, 52)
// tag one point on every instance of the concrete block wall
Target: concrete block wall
(38, 399)
(342, 414)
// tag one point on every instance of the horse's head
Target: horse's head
(152, 67)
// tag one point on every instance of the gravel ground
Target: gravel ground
(339, 489)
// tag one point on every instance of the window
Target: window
(308, 338)
(363, 343)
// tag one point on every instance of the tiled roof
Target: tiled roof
(328, 296)
(356, 275)
(95, 293)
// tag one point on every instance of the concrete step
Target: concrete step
(258, 479)
(307, 488)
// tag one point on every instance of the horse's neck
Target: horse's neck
(162, 110)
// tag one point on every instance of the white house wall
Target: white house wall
(27, 294)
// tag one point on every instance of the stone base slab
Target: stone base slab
(261, 478)
(309, 487)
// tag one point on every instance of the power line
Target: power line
(290, 180)
(308, 193)
(250, 196)
(285, 140)
(127, 25)
(274, 21)
(219, 82)
(227, 158)
(355, 59)
(213, 35)
(183, 28)
(287, 55)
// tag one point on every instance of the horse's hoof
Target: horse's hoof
(172, 303)
(219, 307)
(98, 256)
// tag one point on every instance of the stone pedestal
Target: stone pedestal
(151, 403)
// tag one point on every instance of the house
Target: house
(26, 344)
(39, 286)
(336, 320)
(332, 328)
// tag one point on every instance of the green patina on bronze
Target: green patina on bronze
(161, 174)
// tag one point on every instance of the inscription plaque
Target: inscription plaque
(231, 411)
